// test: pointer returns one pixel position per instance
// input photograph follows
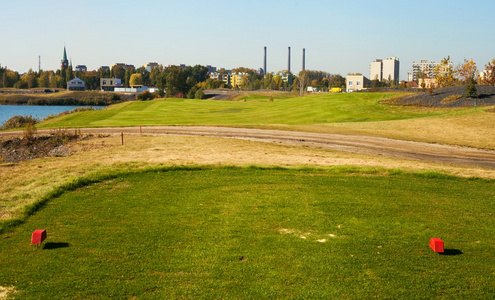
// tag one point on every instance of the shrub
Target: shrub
(146, 95)
(19, 122)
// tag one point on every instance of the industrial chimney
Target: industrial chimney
(264, 62)
(288, 61)
(304, 59)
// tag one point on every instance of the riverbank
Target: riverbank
(85, 98)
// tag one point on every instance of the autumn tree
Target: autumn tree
(136, 79)
(489, 73)
(444, 73)
(467, 71)
(303, 80)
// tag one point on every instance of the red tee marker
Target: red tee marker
(38, 236)
(436, 244)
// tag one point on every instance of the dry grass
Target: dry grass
(471, 130)
(23, 183)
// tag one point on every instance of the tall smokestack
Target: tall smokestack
(264, 62)
(304, 59)
(288, 62)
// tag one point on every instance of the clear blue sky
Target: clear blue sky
(339, 36)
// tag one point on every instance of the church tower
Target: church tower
(65, 62)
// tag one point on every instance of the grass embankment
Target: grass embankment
(258, 233)
(314, 109)
(351, 113)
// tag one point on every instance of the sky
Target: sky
(340, 37)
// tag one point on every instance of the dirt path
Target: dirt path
(347, 143)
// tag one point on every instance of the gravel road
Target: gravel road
(348, 143)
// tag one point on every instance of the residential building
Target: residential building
(287, 77)
(109, 84)
(426, 68)
(81, 68)
(376, 68)
(150, 66)
(390, 69)
(356, 83)
(125, 66)
(76, 84)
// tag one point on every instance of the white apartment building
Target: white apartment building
(376, 70)
(390, 69)
(426, 67)
(385, 69)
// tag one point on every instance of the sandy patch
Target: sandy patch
(6, 291)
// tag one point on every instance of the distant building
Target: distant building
(211, 69)
(391, 69)
(150, 66)
(81, 68)
(385, 69)
(76, 84)
(287, 77)
(131, 90)
(105, 67)
(109, 84)
(357, 83)
(125, 66)
(376, 69)
(426, 68)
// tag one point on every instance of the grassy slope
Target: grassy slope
(251, 233)
(353, 113)
(315, 109)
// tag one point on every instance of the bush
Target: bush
(199, 94)
(146, 95)
(19, 122)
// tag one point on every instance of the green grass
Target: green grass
(237, 233)
(257, 110)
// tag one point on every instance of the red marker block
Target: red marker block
(38, 236)
(436, 244)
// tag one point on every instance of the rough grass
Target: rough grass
(24, 184)
(258, 233)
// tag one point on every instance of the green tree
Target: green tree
(175, 82)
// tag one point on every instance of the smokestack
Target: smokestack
(264, 62)
(288, 62)
(304, 59)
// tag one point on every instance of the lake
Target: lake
(36, 111)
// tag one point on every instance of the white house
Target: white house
(76, 84)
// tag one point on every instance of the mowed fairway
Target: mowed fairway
(314, 109)
(251, 233)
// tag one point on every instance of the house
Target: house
(76, 84)
(356, 82)
(109, 84)
(81, 68)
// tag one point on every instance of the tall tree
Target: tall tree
(467, 71)
(175, 82)
(444, 73)
(489, 73)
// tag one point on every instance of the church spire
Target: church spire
(64, 63)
